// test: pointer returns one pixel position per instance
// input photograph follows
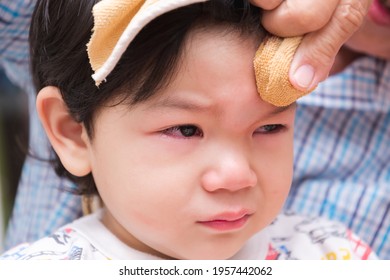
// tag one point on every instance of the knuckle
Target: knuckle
(324, 55)
(350, 15)
(323, 50)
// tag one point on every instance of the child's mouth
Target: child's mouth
(226, 224)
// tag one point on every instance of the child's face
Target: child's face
(201, 167)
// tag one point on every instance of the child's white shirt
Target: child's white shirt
(288, 237)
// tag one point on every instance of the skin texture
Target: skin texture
(370, 39)
(373, 36)
(198, 169)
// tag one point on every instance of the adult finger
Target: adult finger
(315, 56)
(298, 17)
(266, 4)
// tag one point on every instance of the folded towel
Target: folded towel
(116, 24)
(272, 63)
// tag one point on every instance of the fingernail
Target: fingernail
(304, 76)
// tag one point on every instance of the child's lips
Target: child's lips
(227, 221)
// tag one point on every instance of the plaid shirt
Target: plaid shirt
(342, 151)
(41, 204)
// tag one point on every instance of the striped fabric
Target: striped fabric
(14, 20)
(342, 149)
(342, 152)
(41, 204)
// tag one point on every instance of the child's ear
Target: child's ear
(68, 137)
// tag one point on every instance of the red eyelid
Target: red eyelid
(175, 131)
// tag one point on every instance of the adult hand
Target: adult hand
(326, 26)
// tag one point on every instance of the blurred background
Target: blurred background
(13, 146)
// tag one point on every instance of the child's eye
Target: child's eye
(184, 131)
(270, 128)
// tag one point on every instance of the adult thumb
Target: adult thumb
(315, 55)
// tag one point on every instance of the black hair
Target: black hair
(60, 30)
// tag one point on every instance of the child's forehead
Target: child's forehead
(216, 70)
(113, 32)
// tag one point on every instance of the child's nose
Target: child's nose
(231, 171)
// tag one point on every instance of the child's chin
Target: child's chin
(214, 254)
